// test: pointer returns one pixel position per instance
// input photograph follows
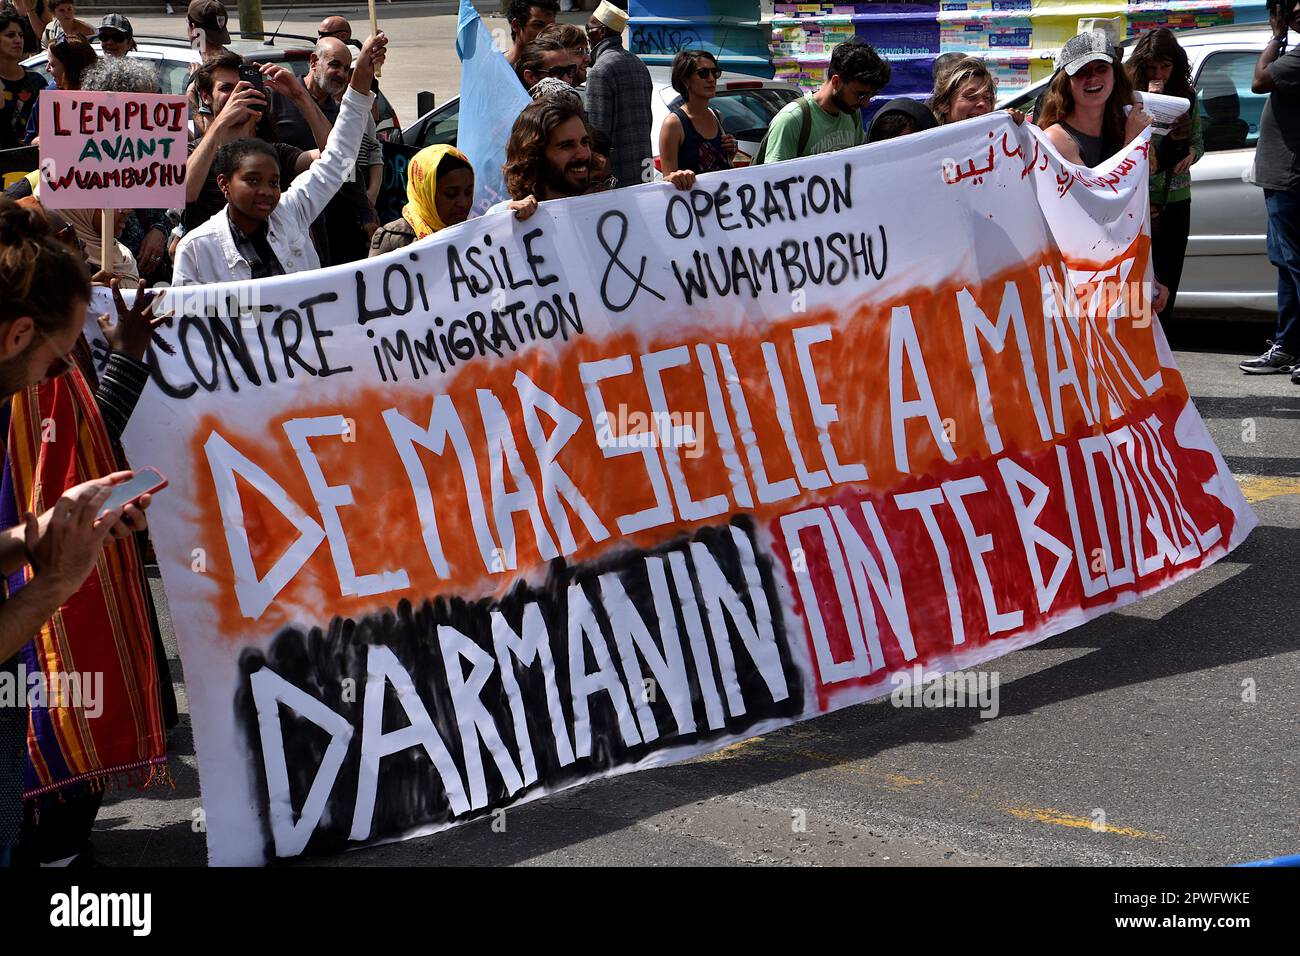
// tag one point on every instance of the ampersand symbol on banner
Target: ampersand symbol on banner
(637, 278)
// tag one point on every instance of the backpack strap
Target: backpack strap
(805, 124)
(805, 131)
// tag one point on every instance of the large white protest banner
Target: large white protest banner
(534, 502)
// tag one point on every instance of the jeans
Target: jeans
(1284, 252)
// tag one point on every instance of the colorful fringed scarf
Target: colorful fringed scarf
(57, 439)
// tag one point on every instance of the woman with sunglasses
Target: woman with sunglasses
(692, 136)
(116, 35)
(574, 39)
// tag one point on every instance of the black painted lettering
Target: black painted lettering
(319, 336)
(536, 261)
(289, 350)
(678, 202)
(364, 312)
(192, 323)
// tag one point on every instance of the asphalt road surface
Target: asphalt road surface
(1128, 741)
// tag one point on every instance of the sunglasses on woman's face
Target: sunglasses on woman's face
(562, 72)
(705, 72)
(113, 37)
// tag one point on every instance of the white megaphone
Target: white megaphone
(1165, 110)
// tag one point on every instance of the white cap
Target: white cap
(611, 16)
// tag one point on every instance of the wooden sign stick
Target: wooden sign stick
(374, 28)
(107, 242)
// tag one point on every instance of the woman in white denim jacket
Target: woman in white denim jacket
(212, 252)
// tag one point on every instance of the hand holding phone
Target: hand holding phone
(144, 482)
(250, 74)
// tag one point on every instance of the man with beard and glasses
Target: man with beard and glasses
(545, 57)
(343, 231)
(549, 157)
(830, 118)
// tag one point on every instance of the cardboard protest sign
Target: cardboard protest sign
(531, 503)
(112, 150)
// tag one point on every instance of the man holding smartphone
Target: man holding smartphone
(1277, 172)
(235, 108)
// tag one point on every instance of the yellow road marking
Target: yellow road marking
(726, 753)
(898, 782)
(1258, 488)
(1060, 818)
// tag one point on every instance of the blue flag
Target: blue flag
(491, 98)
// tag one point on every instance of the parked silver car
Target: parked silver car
(1227, 263)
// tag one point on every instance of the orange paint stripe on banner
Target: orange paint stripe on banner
(765, 419)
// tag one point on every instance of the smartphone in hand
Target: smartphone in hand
(250, 74)
(144, 482)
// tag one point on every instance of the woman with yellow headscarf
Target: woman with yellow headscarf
(439, 193)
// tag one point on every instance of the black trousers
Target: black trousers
(58, 824)
(1170, 227)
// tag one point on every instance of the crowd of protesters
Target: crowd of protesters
(283, 176)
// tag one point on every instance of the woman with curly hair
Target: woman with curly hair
(1159, 65)
(1084, 108)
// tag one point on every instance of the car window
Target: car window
(746, 114)
(441, 127)
(173, 75)
(1229, 110)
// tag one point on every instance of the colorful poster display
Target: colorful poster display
(527, 504)
(1017, 38)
